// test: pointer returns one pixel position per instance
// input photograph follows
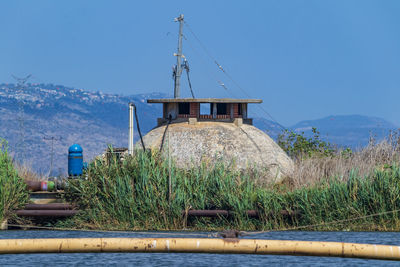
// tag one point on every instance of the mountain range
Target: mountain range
(41, 120)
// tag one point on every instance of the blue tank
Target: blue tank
(75, 160)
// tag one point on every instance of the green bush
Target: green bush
(299, 146)
(13, 192)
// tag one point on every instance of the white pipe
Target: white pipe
(131, 129)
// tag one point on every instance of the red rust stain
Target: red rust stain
(231, 240)
(342, 249)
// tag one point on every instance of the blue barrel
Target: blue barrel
(75, 160)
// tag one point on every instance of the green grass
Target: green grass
(13, 192)
(134, 195)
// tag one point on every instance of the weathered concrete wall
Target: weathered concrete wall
(242, 147)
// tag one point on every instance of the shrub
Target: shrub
(299, 146)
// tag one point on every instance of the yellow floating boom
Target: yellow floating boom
(199, 245)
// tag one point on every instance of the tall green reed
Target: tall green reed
(133, 194)
(13, 192)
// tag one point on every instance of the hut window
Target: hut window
(240, 109)
(184, 108)
(221, 108)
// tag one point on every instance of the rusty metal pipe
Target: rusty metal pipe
(207, 213)
(50, 206)
(46, 213)
(216, 213)
(35, 186)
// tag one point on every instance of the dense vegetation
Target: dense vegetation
(331, 189)
(134, 194)
(13, 193)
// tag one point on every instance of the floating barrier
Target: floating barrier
(200, 245)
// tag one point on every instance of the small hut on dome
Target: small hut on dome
(193, 130)
(220, 109)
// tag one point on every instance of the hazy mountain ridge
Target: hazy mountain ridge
(95, 119)
(347, 130)
(92, 119)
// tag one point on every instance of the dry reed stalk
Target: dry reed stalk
(25, 171)
(313, 170)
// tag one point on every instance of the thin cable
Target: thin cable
(209, 72)
(229, 76)
(321, 224)
(186, 67)
(137, 125)
(165, 131)
(243, 233)
(190, 84)
(111, 231)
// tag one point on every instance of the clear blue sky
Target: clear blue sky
(305, 59)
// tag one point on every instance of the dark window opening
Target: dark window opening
(221, 108)
(184, 108)
(165, 110)
(240, 109)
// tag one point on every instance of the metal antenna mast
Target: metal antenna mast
(52, 138)
(20, 147)
(179, 56)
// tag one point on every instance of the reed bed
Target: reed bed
(316, 169)
(13, 192)
(134, 195)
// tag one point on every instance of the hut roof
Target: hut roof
(203, 100)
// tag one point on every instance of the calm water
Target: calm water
(164, 259)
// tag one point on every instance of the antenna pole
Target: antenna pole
(179, 55)
(20, 146)
(52, 138)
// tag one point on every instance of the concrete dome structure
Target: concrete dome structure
(211, 129)
(240, 146)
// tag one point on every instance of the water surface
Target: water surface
(191, 259)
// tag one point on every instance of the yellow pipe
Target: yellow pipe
(199, 245)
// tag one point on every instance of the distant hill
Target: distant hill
(347, 130)
(95, 119)
(271, 128)
(92, 119)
